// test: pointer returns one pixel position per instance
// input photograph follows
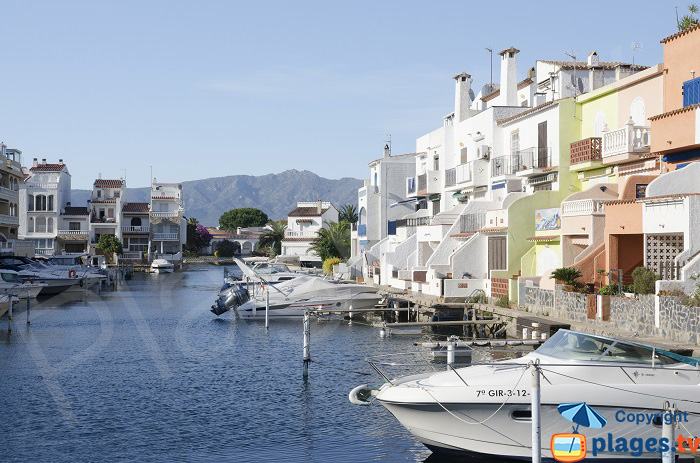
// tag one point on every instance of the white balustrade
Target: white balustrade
(628, 139)
(43, 186)
(72, 232)
(165, 214)
(132, 255)
(300, 234)
(166, 236)
(9, 219)
(142, 229)
(583, 207)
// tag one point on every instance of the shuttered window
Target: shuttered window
(497, 253)
(691, 92)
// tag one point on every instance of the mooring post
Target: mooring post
(536, 421)
(307, 341)
(668, 432)
(267, 308)
(85, 285)
(29, 304)
(10, 302)
(350, 314)
(450, 354)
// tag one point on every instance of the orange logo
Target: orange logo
(568, 447)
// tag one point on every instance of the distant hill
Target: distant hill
(275, 194)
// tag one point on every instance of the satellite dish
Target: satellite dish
(471, 95)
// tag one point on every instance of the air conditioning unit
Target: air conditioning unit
(483, 151)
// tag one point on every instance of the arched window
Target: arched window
(136, 221)
(600, 124)
(638, 111)
(30, 202)
(50, 208)
(49, 225)
(40, 203)
(30, 225)
(40, 225)
(362, 217)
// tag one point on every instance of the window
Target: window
(117, 194)
(73, 225)
(136, 221)
(30, 202)
(50, 206)
(40, 203)
(138, 244)
(638, 111)
(49, 225)
(40, 225)
(436, 163)
(641, 190)
(99, 193)
(30, 226)
(600, 124)
(514, 142)
(691, 92)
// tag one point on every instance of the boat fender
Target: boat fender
(359, 395)
(27, 280)
(72, 273)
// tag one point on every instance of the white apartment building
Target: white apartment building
(302, 225)
(43, 194)
(105, 207)
(11, 177)
(167, 223)
(382, 200)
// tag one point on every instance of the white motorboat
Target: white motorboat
(485, 410)
(162, 266)
(73, 266)
(33, 272)
(12, 283)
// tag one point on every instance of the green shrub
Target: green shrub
(329, 263)
(504, 302)
(227, 248)
(644, 280)
(569, 275)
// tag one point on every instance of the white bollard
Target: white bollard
(525, 334)
(307, 342)
(668, 432)
(536, 422)
(267, 308)
(450, 354)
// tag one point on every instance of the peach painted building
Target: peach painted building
(677, 127)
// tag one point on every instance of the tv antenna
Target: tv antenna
(572, 55)
(388, 142)
(635, 46)
(490, 50)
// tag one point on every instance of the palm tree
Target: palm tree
(333, 241)
(688, 20)
(348, 213)
(273, 236)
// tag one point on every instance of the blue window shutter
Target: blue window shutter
(392, 227)
(691, 92)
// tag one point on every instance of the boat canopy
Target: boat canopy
(570, 345)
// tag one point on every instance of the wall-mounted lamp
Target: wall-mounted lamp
(662, 225)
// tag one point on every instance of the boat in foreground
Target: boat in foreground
(485, 409)
(162, 266)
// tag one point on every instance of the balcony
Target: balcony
(361, 230)
(586, 151)
(470, 223)
(451, 177)
(8, 194)
(7, 247)
(583, 207)
(533, 161)
(43, 186)
(73, 235)
(166, 237)
(305, 234)
(626, 144)
(165, 214)
(422, 183)
(44, 252)
(145, 229)
(6, 219)
(505, 165)
(103, 220)
(131, 255)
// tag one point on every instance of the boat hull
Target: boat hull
(278, 309)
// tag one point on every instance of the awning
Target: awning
(434, 197)
(458, 195)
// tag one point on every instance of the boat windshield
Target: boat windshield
(579, 346)
(10, 277)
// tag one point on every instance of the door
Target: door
(497, 253)
(542, 153)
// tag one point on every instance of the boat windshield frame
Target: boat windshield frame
(609, 350)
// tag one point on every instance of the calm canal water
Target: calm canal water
(147, 373)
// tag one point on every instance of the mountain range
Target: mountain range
(274, 194)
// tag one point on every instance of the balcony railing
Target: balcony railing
(451, 177)
(629, 139)
(142, 229)
(132, 255)
(72, 232)
(535, 158)
(301, 234)
(505, 165)
(583, 207)
(423, 182)
(464, 173)
(7, 246)
(166, 236)
(586, 150)
(105, 220)
(416, 221)
(9, 219)
(43, 186)
(8, 193)
(165, 214)
(44, 252)
(469, 223)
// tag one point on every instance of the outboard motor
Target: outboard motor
(237, 298)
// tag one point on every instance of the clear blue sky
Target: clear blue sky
(212, 88)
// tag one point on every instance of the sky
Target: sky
(213, 88)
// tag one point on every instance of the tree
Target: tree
(109, 245)
(333, 242)
(273, 236)
(689, 20)
(568, 275)
(348, 213)
(644, 280)
(242, 217)
(227, 248)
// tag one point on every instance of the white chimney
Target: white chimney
(60, 161)
(35, 162)
(387, 151)
(593, 59)
(43, 161)
(509, 80)
(462, 96)
(319, 207)
(622, 70)
(99, 175)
